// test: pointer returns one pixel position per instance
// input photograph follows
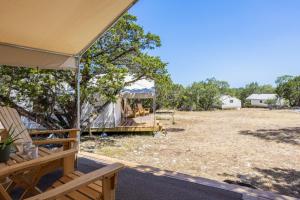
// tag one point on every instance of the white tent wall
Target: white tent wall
(109, 117)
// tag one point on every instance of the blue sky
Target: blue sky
(239, 41)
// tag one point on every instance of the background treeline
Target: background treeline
(204, 95)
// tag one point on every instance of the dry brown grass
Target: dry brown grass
(256, 146)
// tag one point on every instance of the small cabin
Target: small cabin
(261, 100)
(229, 102)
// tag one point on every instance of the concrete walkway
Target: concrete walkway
(147, 183)
(136, 185)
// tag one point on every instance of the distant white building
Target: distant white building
(229, 102)
(260, 100)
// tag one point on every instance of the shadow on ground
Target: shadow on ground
(136, 185)
(284, 181)
(284, 135)
(147, 183)
(174, 129)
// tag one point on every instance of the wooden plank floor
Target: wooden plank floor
(138, 124)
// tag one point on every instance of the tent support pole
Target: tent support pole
(154, 110)
(78, 101)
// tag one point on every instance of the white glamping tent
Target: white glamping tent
(111, 114)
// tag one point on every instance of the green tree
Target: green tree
(281, 84)
(169, 95)
(49, 97)
(288, 87)
(205, 94)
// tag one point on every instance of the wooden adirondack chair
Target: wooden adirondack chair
(130, 112)
(143, 111)
(10, 117)
(99, 184)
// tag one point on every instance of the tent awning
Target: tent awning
(51, 33)
(141, 89)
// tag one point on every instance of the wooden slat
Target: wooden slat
(36, 132)
(126, 129)
(39, 161)
(93, 194)
(17, 119)
(45, 150)
(8, 117)
(64, 198)
(25, 157)
(3, 194)
(14, 120)
(42, 153)
(59, 198)
(75, 195)
(4, 119)
(54, 141)
(95, 186)
(97, 182)
(16, 158)
(10, 162)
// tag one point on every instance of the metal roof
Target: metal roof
(261, 96)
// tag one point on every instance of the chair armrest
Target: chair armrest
(75, 184)
(54, 141)
(38, 132)
(24, 166)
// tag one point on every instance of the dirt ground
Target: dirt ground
(258, 147)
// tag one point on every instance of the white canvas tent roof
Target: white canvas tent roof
(52, 33)
(141, 89)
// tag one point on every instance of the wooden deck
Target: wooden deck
(138, 124)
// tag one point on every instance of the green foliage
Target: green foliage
(10, 138)
(288, 87)
(49, 97)
(271, 102)
(204, 95)
(169, 94)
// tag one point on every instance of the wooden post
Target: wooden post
(68, 164)
(73, 134)
(109, 187)
(173, 116)
(90, 130)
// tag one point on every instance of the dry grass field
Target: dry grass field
(258, 147)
